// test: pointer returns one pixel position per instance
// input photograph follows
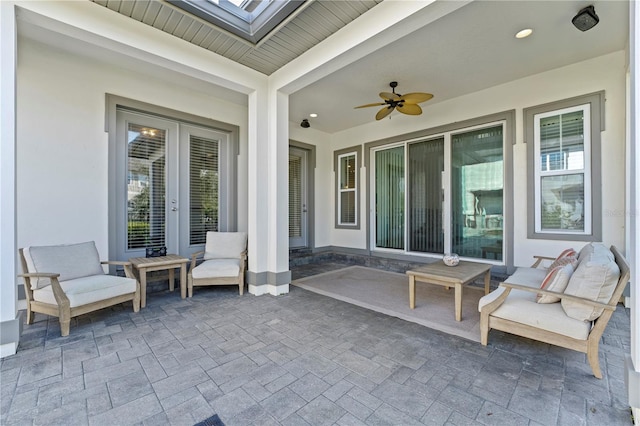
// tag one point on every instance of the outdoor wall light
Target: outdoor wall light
(586, 19)
(305, 124)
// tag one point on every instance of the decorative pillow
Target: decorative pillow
(567, 256)
(595, 278)
(556, 280)
(69, 260)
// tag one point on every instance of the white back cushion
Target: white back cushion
(595, 278)
(225, 245)
(71, 261)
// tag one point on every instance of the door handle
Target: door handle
(174, 209)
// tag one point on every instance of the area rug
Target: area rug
(388, 293)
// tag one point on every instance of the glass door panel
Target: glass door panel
(297, 198)
(426, 166)
(146, 187)
(203, 188)
(200, 185)
(477, 183)
(390, 188)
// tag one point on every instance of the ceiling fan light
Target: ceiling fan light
(524, 33)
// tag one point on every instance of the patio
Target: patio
(300, 358)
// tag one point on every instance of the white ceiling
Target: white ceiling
(466, 51)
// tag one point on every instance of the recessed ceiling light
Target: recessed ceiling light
(524, 33)
(313, 115)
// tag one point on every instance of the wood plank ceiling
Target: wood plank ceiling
(312, 23)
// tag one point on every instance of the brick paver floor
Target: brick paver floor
(298, 359)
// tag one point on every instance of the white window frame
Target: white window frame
(342, 190)
(337, 165)
(594, 125)
(585, 171)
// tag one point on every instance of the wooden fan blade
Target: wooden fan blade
(384, 112)
(411, 109)
(416, 98)
(370, 105)
(388, 96)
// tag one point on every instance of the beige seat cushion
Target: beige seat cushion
(532, 277)
(85, 290)
(217, 268)
(225, 245)
(521, 307)
(69, 260)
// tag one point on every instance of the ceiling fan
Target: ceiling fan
(406, 104)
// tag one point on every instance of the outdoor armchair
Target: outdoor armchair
(68, 280)
(224, 260)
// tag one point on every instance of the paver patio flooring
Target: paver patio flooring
(298, 359)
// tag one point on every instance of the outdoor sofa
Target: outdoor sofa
(567, 304)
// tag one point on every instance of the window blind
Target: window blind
(426, 164)
(203, 188)
(390, 198)
(295, 196)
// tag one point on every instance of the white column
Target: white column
(257, 170)
(633, 210)
(280, 276)
(268, 202)
(10, 322)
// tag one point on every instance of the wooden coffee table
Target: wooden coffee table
(169, 262)
(449, 276)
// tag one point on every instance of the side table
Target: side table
(446, 276)
(169, 262)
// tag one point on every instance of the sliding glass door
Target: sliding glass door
(441, 194)
(426, 191)
(477, 183)
(390, 190)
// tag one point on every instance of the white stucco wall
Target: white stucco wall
(62, 164)
(604, 73)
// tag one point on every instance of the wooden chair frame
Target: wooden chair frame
(238, 279)
(588, 346)
(63, 310)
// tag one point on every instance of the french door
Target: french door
(298, 220)
(171, 180)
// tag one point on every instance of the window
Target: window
(564, 175)
(346, 166)
(250, 19)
